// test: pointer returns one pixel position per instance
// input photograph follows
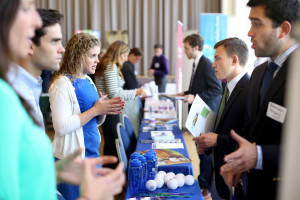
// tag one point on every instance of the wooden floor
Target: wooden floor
(188, 141)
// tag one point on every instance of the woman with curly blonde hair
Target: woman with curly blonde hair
(109, 80)
(77, 108)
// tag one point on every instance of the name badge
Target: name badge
(156, 65)
(276, 112)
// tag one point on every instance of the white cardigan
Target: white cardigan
(66, 122)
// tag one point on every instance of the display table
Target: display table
(185, 168)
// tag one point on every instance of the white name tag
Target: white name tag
(276, 112)
(156, 65)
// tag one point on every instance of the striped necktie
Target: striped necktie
(192, 78)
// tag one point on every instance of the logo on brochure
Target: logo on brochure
(195, 118)
(204, 112)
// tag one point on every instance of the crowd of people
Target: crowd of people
(242, 151)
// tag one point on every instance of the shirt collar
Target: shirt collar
(198, 58)
(282, 57)
(231, 85)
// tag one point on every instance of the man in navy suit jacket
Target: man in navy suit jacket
(270, 32)
(230, 59)
(204, 83)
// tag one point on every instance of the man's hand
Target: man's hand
(206, 140)
(189, 98)
(180, 94)
(228, 178)
(240, 160)
(150, 72)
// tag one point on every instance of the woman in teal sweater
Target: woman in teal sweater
(27, 169)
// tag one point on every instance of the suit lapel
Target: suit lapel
(236, 91)
(276, 84)
(256, 89)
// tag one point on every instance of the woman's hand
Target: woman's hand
(102, 187)
(108, 107)
(141, 92)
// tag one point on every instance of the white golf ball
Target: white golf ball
(189, 180)
(171, 174)
(180, 180)
(172, 184)
(159, 181)
(167, 178)
(159, 176)
(162, 172)
(180, 175)
(151, 185)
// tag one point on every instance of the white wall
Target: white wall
(239, 24)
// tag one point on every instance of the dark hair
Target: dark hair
(235, 46)
(49, 17)
(8, 12)
(194, 40)
(158, 46)
(278, 10)
(136, 51)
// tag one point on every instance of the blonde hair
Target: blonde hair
(75, 55)
(111, 57)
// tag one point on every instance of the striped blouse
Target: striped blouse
(111, 83)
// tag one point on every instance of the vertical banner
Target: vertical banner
(179, 69)
(213, 28)
(179, 55)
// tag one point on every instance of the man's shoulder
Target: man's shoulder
(126, 66)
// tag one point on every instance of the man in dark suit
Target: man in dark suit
(204, 83)
(128, 71)
(230, 59)
(270, 33)
(203, 79)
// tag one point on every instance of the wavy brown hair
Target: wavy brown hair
(111, 57)
(75, 54)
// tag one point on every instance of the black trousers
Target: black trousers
(109, 128)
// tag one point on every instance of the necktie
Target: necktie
(268, 77)
(222, 106)
(221, 109)
(192, 77)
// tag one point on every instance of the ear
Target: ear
(285, 29)
(235, 60)
(31, 49)
(196, 47)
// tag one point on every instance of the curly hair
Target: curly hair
(75, 54)
(111, 57)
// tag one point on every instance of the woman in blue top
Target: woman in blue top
(27, 165)
(77, 108)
